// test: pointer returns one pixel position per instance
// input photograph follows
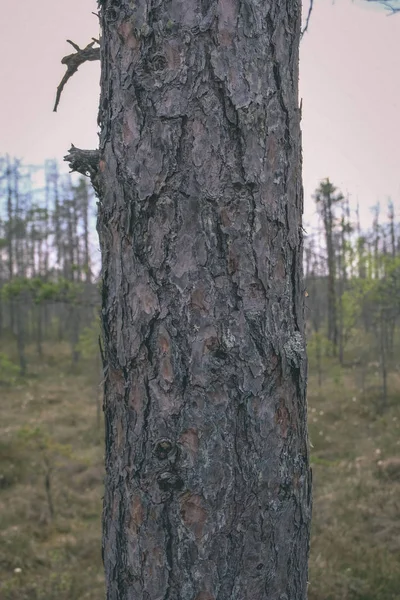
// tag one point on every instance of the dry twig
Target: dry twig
(74, 61)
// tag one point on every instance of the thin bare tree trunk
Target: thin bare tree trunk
(85, 214)
(21, 325)
(10, 237)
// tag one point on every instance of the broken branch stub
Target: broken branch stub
(85, 162)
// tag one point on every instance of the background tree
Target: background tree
(45, 274)
(327, 197)
(364, 285)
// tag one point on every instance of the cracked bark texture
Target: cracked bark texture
(208, 487)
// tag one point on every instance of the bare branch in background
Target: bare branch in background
(389, 5)
(393, 6)
(307, 18)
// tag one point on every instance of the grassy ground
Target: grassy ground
(49, 426)
(51, 455)
(355, 549)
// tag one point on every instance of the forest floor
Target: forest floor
(51, 477)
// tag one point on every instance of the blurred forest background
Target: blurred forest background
(51, 428)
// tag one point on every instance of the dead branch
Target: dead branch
(85, 162)
(74, 61)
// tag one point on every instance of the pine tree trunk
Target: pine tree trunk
(207, 477)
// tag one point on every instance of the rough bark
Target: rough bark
(207, 492)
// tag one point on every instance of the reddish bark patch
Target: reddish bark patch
(148, 298)
(102, 165)
(193, 514)
(211, 344)
(172, 55)
(198, 300)
(227, 17)
(166, 370)
(190, 439)
(137, 513)
(205, 596)
(120, 435)
(218, 396)
(280, 268)
(130, 130)
(115, 507)
(282, 418)
(157, 556)
(273, 361)
(116, 381)
(225, 218)
(255, 298)
(136, 397)
(127, 33)
(233, 262)
(272, 152)
(163, 340)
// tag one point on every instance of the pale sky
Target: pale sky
(349, 82)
